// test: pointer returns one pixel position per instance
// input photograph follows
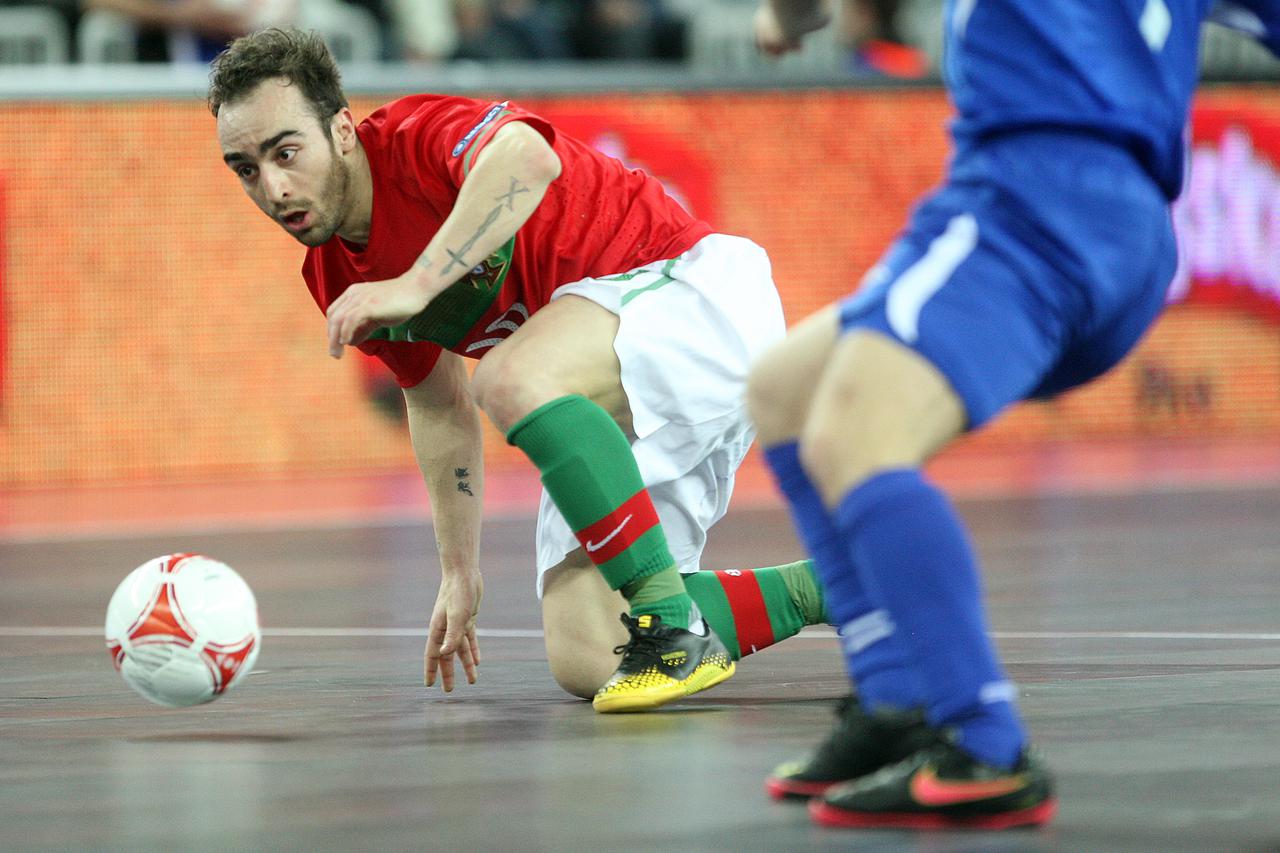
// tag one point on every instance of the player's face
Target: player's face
(287, 162)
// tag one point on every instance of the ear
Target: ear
(343, 128)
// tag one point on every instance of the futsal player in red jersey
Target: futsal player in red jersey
(615, 331)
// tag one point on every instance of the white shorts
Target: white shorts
(689, 330)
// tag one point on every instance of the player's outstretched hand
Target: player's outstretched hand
(364, 308)
(453, 630)
(770, 38)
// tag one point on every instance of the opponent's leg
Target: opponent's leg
(879, 411)
(780, 406)
(883, 724)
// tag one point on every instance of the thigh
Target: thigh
(877, 406)
(968, 292)
(567, 347)
(781, 386)
(689, 329)
(1118, 328)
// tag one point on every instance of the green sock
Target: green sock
(589, 471)
(754, 608)
(662, 594)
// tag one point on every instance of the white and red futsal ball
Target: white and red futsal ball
(183, 629)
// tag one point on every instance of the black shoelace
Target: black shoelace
(641, 645)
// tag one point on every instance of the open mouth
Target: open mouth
(297, 221)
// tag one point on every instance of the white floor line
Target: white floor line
(533, 633)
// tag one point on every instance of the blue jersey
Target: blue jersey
(1124, 70)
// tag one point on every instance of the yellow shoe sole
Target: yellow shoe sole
(702, 678)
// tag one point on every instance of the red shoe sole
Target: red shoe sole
(786, 789)
(825, 814)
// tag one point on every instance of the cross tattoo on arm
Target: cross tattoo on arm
(510, 195)
(456, 257)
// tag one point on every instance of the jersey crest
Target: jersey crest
(455, 312)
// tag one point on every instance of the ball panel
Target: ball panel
(183, 629)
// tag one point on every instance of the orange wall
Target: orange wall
(157, 327)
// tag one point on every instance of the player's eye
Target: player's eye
(287, 154)
(244, 173)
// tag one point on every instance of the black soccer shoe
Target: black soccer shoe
(860, 743)
(942, 787)
(661, 663)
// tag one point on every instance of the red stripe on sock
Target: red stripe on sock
(750, 615)
(617, 531)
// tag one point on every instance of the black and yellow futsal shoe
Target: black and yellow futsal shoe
(942, 787)
(860, 743)
(661, 663)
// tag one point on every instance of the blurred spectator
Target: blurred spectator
(69, 9)
(422, 30)
(508, 29)
(196, 30)
(869, 33)
(627, 29)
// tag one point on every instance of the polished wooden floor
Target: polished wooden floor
(1143, 629)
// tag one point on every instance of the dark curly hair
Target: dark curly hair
(299, 56)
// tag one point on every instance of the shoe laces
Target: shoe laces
(644, 642)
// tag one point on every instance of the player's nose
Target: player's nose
(276, 184)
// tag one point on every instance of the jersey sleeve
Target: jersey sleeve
(1257, 18)
(445, 137)
(410, 362)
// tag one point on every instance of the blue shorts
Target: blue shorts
(1034, 269)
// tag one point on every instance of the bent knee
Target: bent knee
(505, 390)
(580, 669)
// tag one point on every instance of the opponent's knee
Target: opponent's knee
(776, 399)
(781, 386)
(826, 462)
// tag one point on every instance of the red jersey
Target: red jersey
(597, 219)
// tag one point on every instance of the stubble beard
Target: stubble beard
(331, 207)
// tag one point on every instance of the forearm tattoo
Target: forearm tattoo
(505, 201)
(510, 195)
(456, 257)
(464, 481)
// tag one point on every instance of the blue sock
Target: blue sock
(914, 558)
(876, 661)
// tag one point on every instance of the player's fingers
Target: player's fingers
(431, 658)
(349, 324)
(475, 646)
(452, 637)
(362, 332)
(468, 663)
(335, 329)
(435, 636)
(446, 673)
